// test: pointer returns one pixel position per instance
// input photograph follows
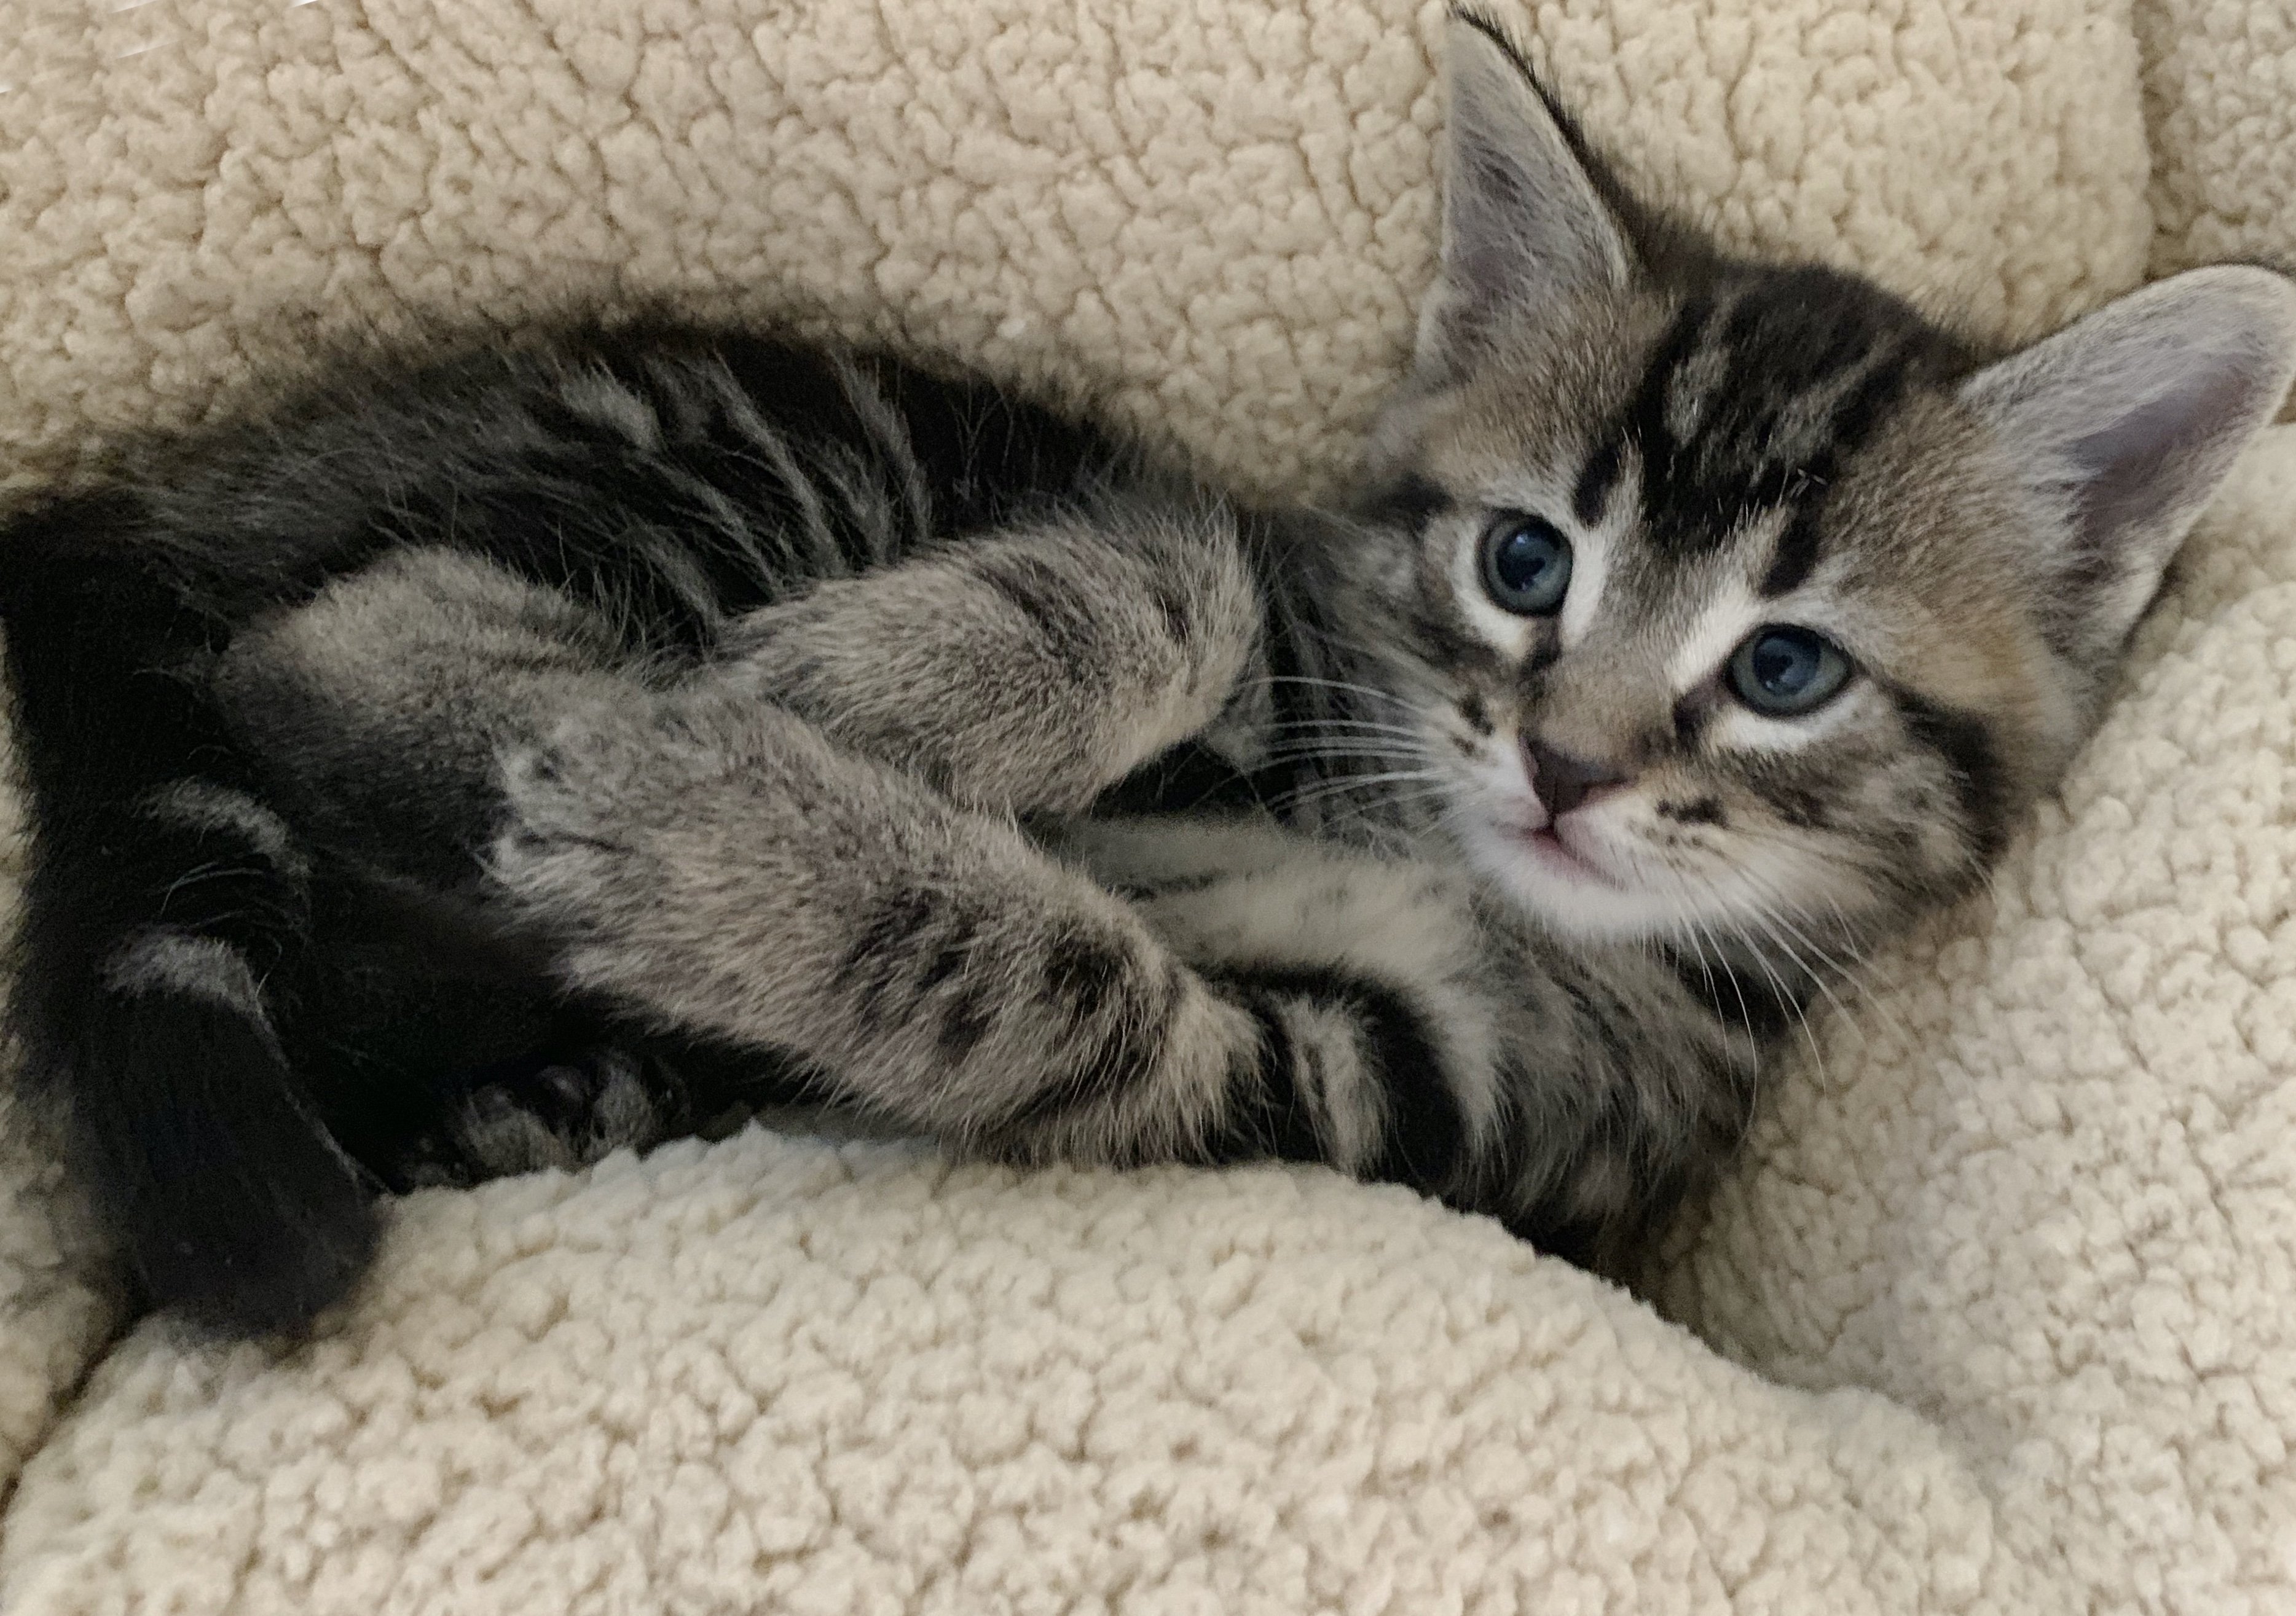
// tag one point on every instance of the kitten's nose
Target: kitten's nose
(1564, 782)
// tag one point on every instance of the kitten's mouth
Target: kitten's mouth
(1559, 858)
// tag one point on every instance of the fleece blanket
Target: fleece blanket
(1995, 1315)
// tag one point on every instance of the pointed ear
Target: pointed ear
(1525, 222)
(2123, 426)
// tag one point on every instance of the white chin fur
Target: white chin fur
(1582, 907)
(1598, 893)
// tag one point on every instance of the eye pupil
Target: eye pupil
(1784, 672)
(1782, 666)
(1526, 564)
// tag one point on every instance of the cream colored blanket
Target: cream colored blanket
(1998, 1315)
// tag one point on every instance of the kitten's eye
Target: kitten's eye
(1526, 564)
(1785, 672)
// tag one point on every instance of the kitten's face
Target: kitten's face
(1733, 603)
(1709, 629)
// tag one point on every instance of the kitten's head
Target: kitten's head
(1729, 591)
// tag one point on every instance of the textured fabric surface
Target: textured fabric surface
(2220, 100)
(1219, 210)
(775, 1376)
(57, 1303)
(1997, 1306)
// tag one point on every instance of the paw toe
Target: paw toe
(561, 1114)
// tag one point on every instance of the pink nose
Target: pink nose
(1564, 782)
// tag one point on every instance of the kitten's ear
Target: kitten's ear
(2124, 426)
(1525, 222)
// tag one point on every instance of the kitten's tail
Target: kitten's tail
(163, 899)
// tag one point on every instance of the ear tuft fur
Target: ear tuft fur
(1524, 218)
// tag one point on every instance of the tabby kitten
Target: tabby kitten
(485, 759)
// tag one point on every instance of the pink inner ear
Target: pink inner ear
(2128, 421)
(1523, 217)
(2125, 474)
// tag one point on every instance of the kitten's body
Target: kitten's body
(650, 719)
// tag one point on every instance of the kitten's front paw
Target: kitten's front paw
(558, 845)
(587, 810)
(563, 1113)
(654, 825)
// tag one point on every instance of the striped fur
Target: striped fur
(479, 761)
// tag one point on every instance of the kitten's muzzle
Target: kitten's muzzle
(1564, 782)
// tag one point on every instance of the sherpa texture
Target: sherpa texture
(2221, 99)
(1999, 1306)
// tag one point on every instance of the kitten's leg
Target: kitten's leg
(379, 710)
(717, 866)
(376, 712)
(720, 867)
(1028, 669)
(1616, 1079)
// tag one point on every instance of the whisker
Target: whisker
(1336, 814)
(1321, 736)
(1349, 766)
(1343, 783)
(1320, 724)
(1848, 973)
(1852, 860)
(1706, 970)
(1786, 995)
(1352, 782)
(1343, 746)
(1346, 686)
(1746, 1010)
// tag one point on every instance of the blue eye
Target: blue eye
(1785, 672)
(1526, 564)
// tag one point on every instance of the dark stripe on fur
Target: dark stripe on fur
(1265, 1117)
(1123, 1043)
(1069, 628)
(1423, 1134)
(206, 1162)
(1672, 528)
(1409, 503)
(1966, 745)
(1797, 553)
(1596, 481)
(1789, 334)
(886, 940)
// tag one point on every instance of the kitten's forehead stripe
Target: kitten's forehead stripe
(1592, 493)
(1410, 501)
(1750, 401)
(1796, 556)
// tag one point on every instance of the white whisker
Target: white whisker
(1848, 973)
(1325, 724)
(1345, 687)
(1786, 997)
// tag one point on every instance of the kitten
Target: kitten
(485, 759)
